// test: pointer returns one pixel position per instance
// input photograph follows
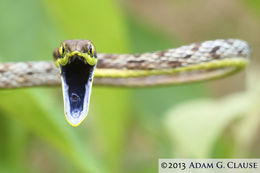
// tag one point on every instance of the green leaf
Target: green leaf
(195, 126)
(42, 117)
(100, 21)
(14, 139)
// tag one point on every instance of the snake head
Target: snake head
(76, 60)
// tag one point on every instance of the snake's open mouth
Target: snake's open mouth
(76, 77)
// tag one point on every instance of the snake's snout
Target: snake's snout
(76, 58)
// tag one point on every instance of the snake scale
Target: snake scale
(78, 62)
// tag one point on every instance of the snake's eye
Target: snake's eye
(91, 49)
(62, 50)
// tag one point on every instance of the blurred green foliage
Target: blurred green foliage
(125, 130)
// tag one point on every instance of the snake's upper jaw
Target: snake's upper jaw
(76, 78)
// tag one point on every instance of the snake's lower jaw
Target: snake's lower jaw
(76, 79)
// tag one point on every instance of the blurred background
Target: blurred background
(128, 129)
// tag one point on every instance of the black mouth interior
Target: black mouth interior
(77, 74)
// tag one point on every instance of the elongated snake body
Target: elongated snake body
(78, 63)
(194, 62)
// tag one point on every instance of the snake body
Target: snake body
(194, 62)
(78, 62)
